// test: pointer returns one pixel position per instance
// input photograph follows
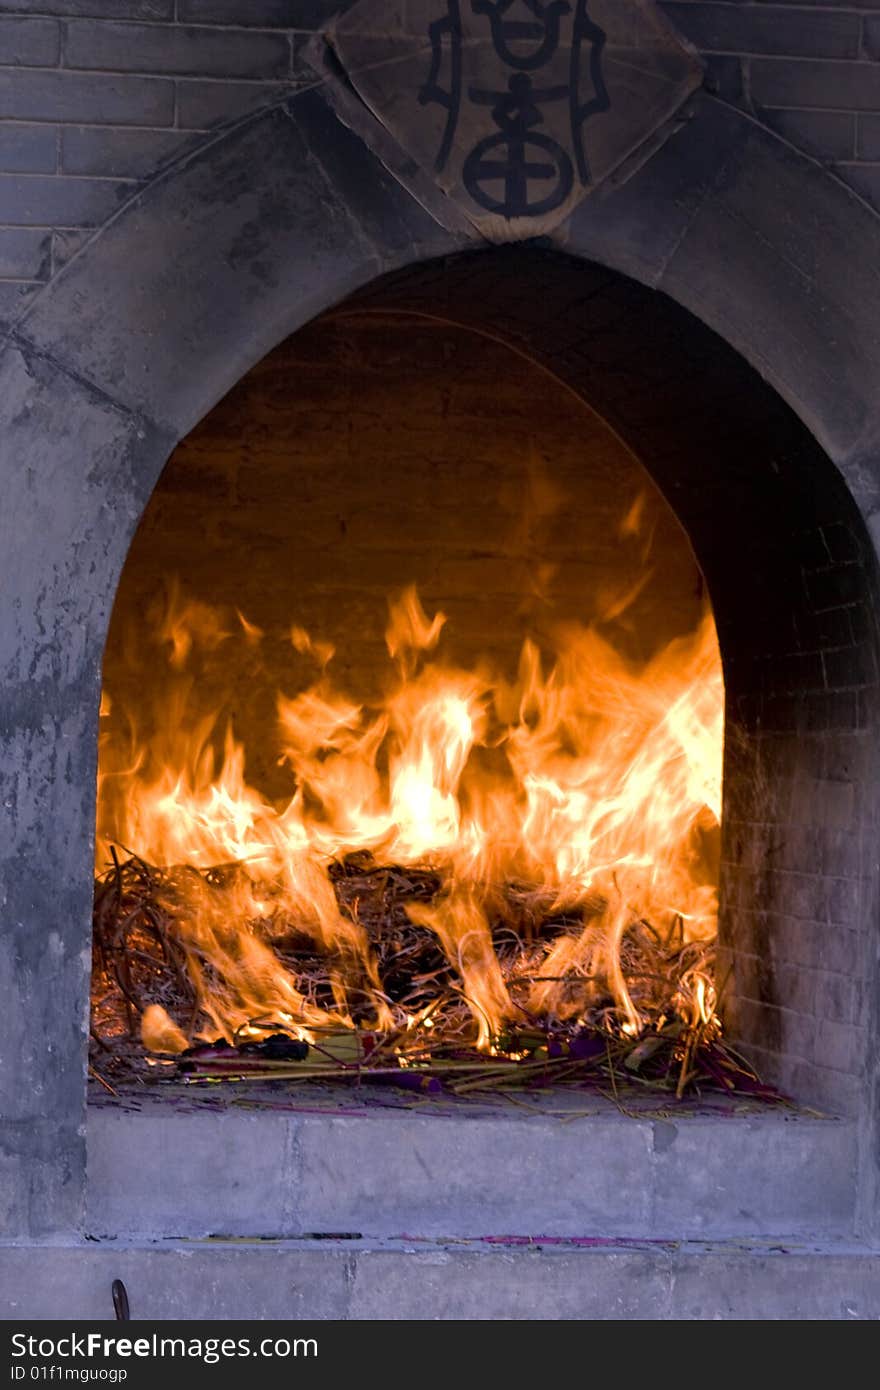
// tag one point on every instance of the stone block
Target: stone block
(56, 95)
(767, 1174)
(502, 1284)
(178, 50)
(804, 82)
(108, 9)
(767, 29)
(376, 1171)
(28, 149)
(29, 42)
(397, 1174)
(225, 1174)
(776, 1286)
(208, 1281)
(268, 14)
(48, 201)
(840, 1046)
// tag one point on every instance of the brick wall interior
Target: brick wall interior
(97, 95)
(368, 452)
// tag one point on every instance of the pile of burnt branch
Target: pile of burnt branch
(139, 961)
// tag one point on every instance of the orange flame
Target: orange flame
(595, 781)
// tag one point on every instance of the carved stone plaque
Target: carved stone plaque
(517, 108)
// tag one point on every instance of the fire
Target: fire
(587, 789)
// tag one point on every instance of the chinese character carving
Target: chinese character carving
(519, 158)
(518, 108)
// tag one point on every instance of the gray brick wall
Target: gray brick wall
(808, 69)
(96, 95)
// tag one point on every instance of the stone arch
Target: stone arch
(199, 275)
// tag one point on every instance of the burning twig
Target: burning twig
(140, 964)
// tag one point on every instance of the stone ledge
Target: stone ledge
(357, 1165)
(357, 1280)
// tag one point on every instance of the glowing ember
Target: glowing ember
(538, 834)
